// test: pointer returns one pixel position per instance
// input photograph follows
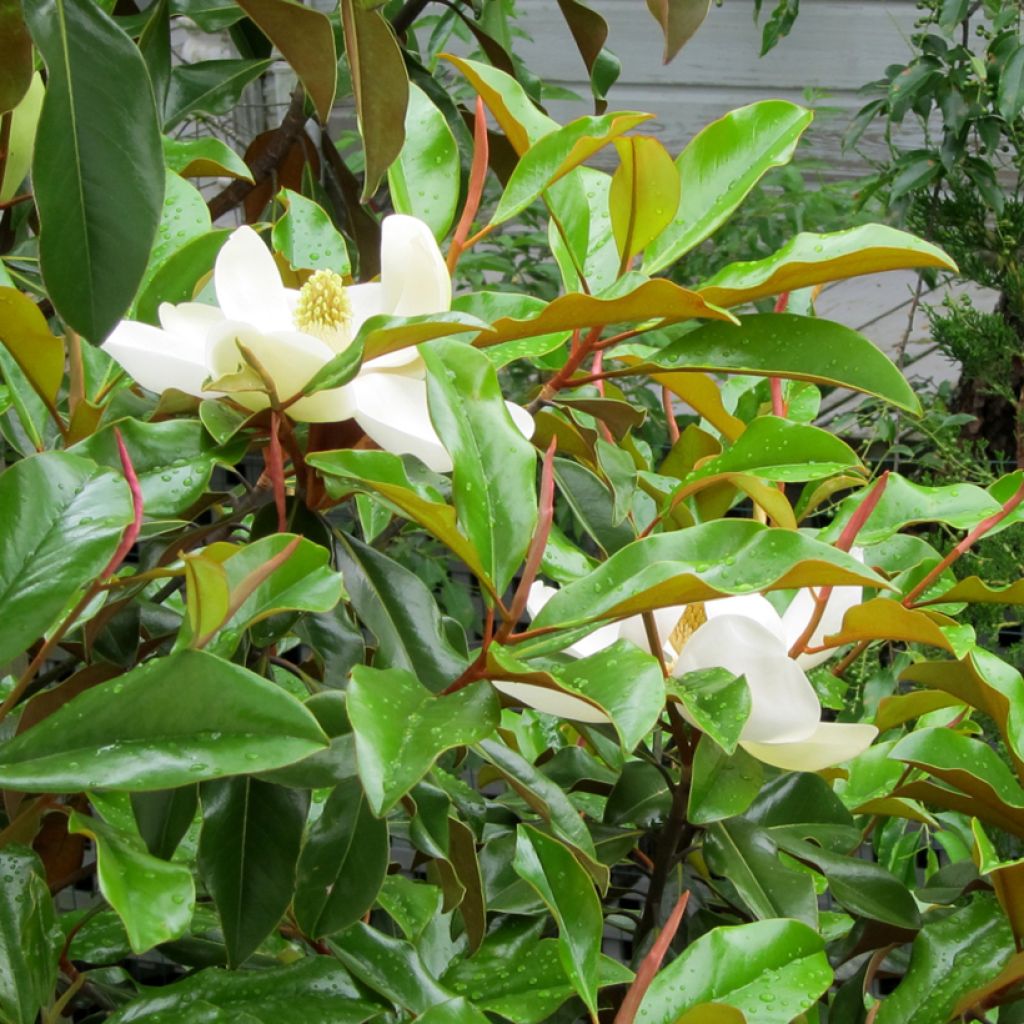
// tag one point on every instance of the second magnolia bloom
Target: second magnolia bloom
(292, 334)
(746, 636)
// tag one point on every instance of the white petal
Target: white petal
(831, 743)
(157, 359)
(597, 640)
(290, 358)
(248, 285)
(413, 271)
(366, 300)
(190, 321)
(750, 606)
(784, 706)
(552, 702)
(392, 409)
(521, 418)
(539, 595)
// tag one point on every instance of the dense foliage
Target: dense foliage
(340, 687)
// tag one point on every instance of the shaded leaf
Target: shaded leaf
(94, 240)
(248, 848)
(343, 863)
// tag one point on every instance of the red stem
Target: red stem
(651, 963)
(477, 174)
(845, 542)
(131, 535)
(670, 415)
(275, 469)
(545, 517)
(965, 545)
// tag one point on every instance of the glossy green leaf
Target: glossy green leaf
(304, 581)
(717, 701)
(307, 238)
(455, 1011)
(950, 957)
(770, 970)
(568, 893)
(490, 306)
(633, 709)
(691, 565)
(176, 278)
(720, 166)
(203, 158)
(519, 976)
(401, 728)
(639, 797)
(30, 938)
(985, 682)
(184, 217)
(154, 43)
(63, 519)
(863, 888)
(779, 449)
(905, 503)
(163, 816)
(389, 966)
(174, 460)
(152, 897)
(657, 301)
(248, 849)
(172, 721)
(384, 474)
(643, 195)
(973, 767)
(516, 114)
(493, 483)
(208, 87)
(748, 861)
(810, 259)
(343, 863)
(552, 157)
(400, 611)
(306, 40)
(424, 180)
(789, 346)
(315, 988)
(94, 239)
(382, 335)
(380, 85)
(723, 784)
(548, 800)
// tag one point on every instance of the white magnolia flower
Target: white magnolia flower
(292, 334)
(746, 636)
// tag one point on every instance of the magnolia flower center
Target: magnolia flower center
(694, 616)
(324, 309)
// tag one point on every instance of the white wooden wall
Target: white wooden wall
(836, 47)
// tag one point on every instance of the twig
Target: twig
(965, 545)
(546, 513)
(475, 191)
(845, 543)
(651, 963)
(267, 162)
